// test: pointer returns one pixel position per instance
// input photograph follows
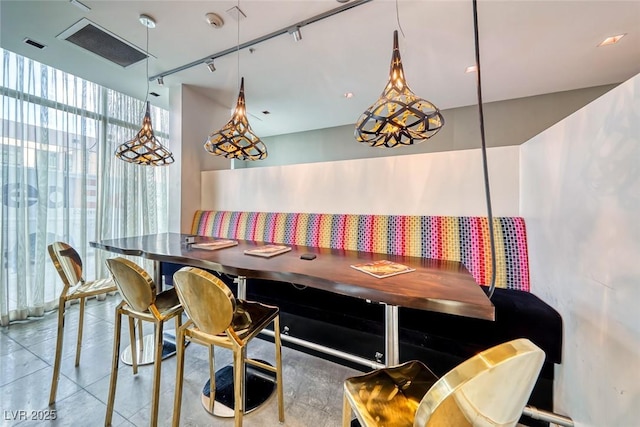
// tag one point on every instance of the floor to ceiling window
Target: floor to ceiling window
(60, 181)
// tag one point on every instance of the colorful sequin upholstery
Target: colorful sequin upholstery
(464, 239)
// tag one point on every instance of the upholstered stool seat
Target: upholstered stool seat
(490, 389)
(69, 266)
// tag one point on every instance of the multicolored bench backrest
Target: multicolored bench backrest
(464, 239)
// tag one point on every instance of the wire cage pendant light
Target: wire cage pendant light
(145, 149)
(398, 117)
(236, 140)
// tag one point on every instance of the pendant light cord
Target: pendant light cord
(146, 98)
(238, 42)
(484, 151)
(398, 20)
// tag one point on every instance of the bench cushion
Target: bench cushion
(464, 239)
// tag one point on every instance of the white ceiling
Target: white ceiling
(527, 48)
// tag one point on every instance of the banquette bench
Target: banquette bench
(355, 326)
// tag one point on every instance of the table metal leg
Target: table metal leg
(157, 275)
(391, 340)
(242, 287)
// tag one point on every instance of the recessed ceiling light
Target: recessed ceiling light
(471, 69)
(265, 112)
(611, 40)
(348, 95)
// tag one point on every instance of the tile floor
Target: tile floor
(312, 386)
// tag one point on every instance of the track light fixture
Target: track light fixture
(297, 35)
(288, 29)
(210, 65)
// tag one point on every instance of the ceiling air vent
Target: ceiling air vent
(34, 43)
(101, 42)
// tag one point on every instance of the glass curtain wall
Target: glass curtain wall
(60, 181)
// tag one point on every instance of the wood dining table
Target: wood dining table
(435, 285)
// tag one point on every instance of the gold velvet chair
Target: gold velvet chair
(217, 318)
(69, 267)
(141, 302)
(490, 389)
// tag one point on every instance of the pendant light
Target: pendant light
(236, 140)
(144, 148)
(398, 117)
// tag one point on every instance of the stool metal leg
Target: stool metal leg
(56, 363)
(140, 339)
(346, 411)
(177, 402)
(157, 367)
(212, 378)
(132, 339)
(114, 365)
(279, 387)
(238, 381)
(80, 326)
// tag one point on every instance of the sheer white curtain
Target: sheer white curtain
(61, 181)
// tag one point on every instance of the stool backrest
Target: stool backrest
(135, 285)
(67, 263)
(205, 298)
(490, 389)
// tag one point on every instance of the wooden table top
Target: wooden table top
(435, 285)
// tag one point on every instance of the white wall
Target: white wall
(447, 183)
(507, 123)
(580, 187)
(175, 170)
(204, 116)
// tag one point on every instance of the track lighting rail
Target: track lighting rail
(285, 30)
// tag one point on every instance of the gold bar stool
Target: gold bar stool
(140, 302)
(490, 389)
(217, 318)
(69, 267)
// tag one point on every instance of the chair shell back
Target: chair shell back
(67, 263)
(205, 298)
(134, 283)
(490, 389)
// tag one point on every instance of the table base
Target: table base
(147, 355)
(259, 386)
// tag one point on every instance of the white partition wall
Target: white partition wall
(580, 187)
(447, 183)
